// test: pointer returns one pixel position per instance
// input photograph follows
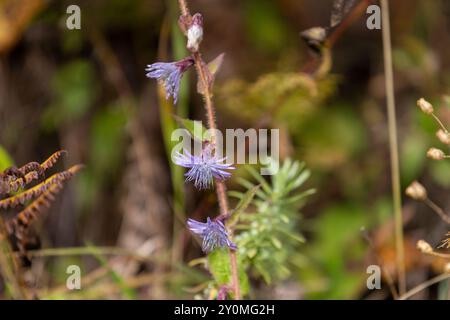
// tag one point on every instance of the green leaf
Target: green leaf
(242, 206)
(215, 64)
(195, 128)
(5, 159)
(259, 178)
(219, 266)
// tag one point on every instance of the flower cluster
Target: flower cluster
(207, 166)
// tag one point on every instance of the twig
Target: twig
(395, 171)
(438, 210)
(424, 285)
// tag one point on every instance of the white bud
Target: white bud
(435, 154)
(416, 191)
(195, 33)
(443, 136)
(425, 106)
(424, 246)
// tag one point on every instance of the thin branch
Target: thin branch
(395, 170)
(424, 285)
(438, 210)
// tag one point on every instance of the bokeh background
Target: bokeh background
(85, 91)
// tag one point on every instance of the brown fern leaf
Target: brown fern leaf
(50, 162)
(18, 226)
(15, 185)
(446, 242)
(37, 190)
(17, 178)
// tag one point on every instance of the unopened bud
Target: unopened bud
(424, 246)
(443, 136)
(435, 154)
(416, 191)
(195, 33)
(425, 106)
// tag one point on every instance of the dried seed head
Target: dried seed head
(443, 136)
(425, 106)
(195, 33)
(424, 246)
(416, 191)
(435, 154)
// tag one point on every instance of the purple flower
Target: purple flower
(203, 168)
(213, 233)
(169, 73)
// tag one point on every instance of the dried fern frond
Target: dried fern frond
(18, 226)
(446, 242)
(37, 190)
(12, 179)
(50, 162)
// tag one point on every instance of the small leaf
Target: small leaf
(242, 205)
(198, 261)
(219, 266)
(252, 253)
(210, 70)
(215, 64)
(260, 179)
(276, 243)
(5, 159)
(194, 127)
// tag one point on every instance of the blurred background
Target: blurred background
(85, 91)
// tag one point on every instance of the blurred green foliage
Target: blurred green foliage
(75, 89)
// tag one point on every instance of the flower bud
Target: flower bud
(424, 246)
(425, 106)
(195, 33)
(416, 191)
(443, 136)
(435, 154)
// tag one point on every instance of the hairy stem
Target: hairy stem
(395, 170)
(220, 185)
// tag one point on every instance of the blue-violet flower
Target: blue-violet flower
(203, 168)
(169, 74)
(212, 232)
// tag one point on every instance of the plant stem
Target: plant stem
(424, 285)
(220, 185)
(438, 210)
(440, 123)
(395, 170)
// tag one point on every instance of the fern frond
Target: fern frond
(13, 179)
(18, 226)
(50, 162)
(37, 190)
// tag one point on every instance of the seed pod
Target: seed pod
(424, 246)
(435, 154)
(425, 106)
(443, 136)
(416, 191)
